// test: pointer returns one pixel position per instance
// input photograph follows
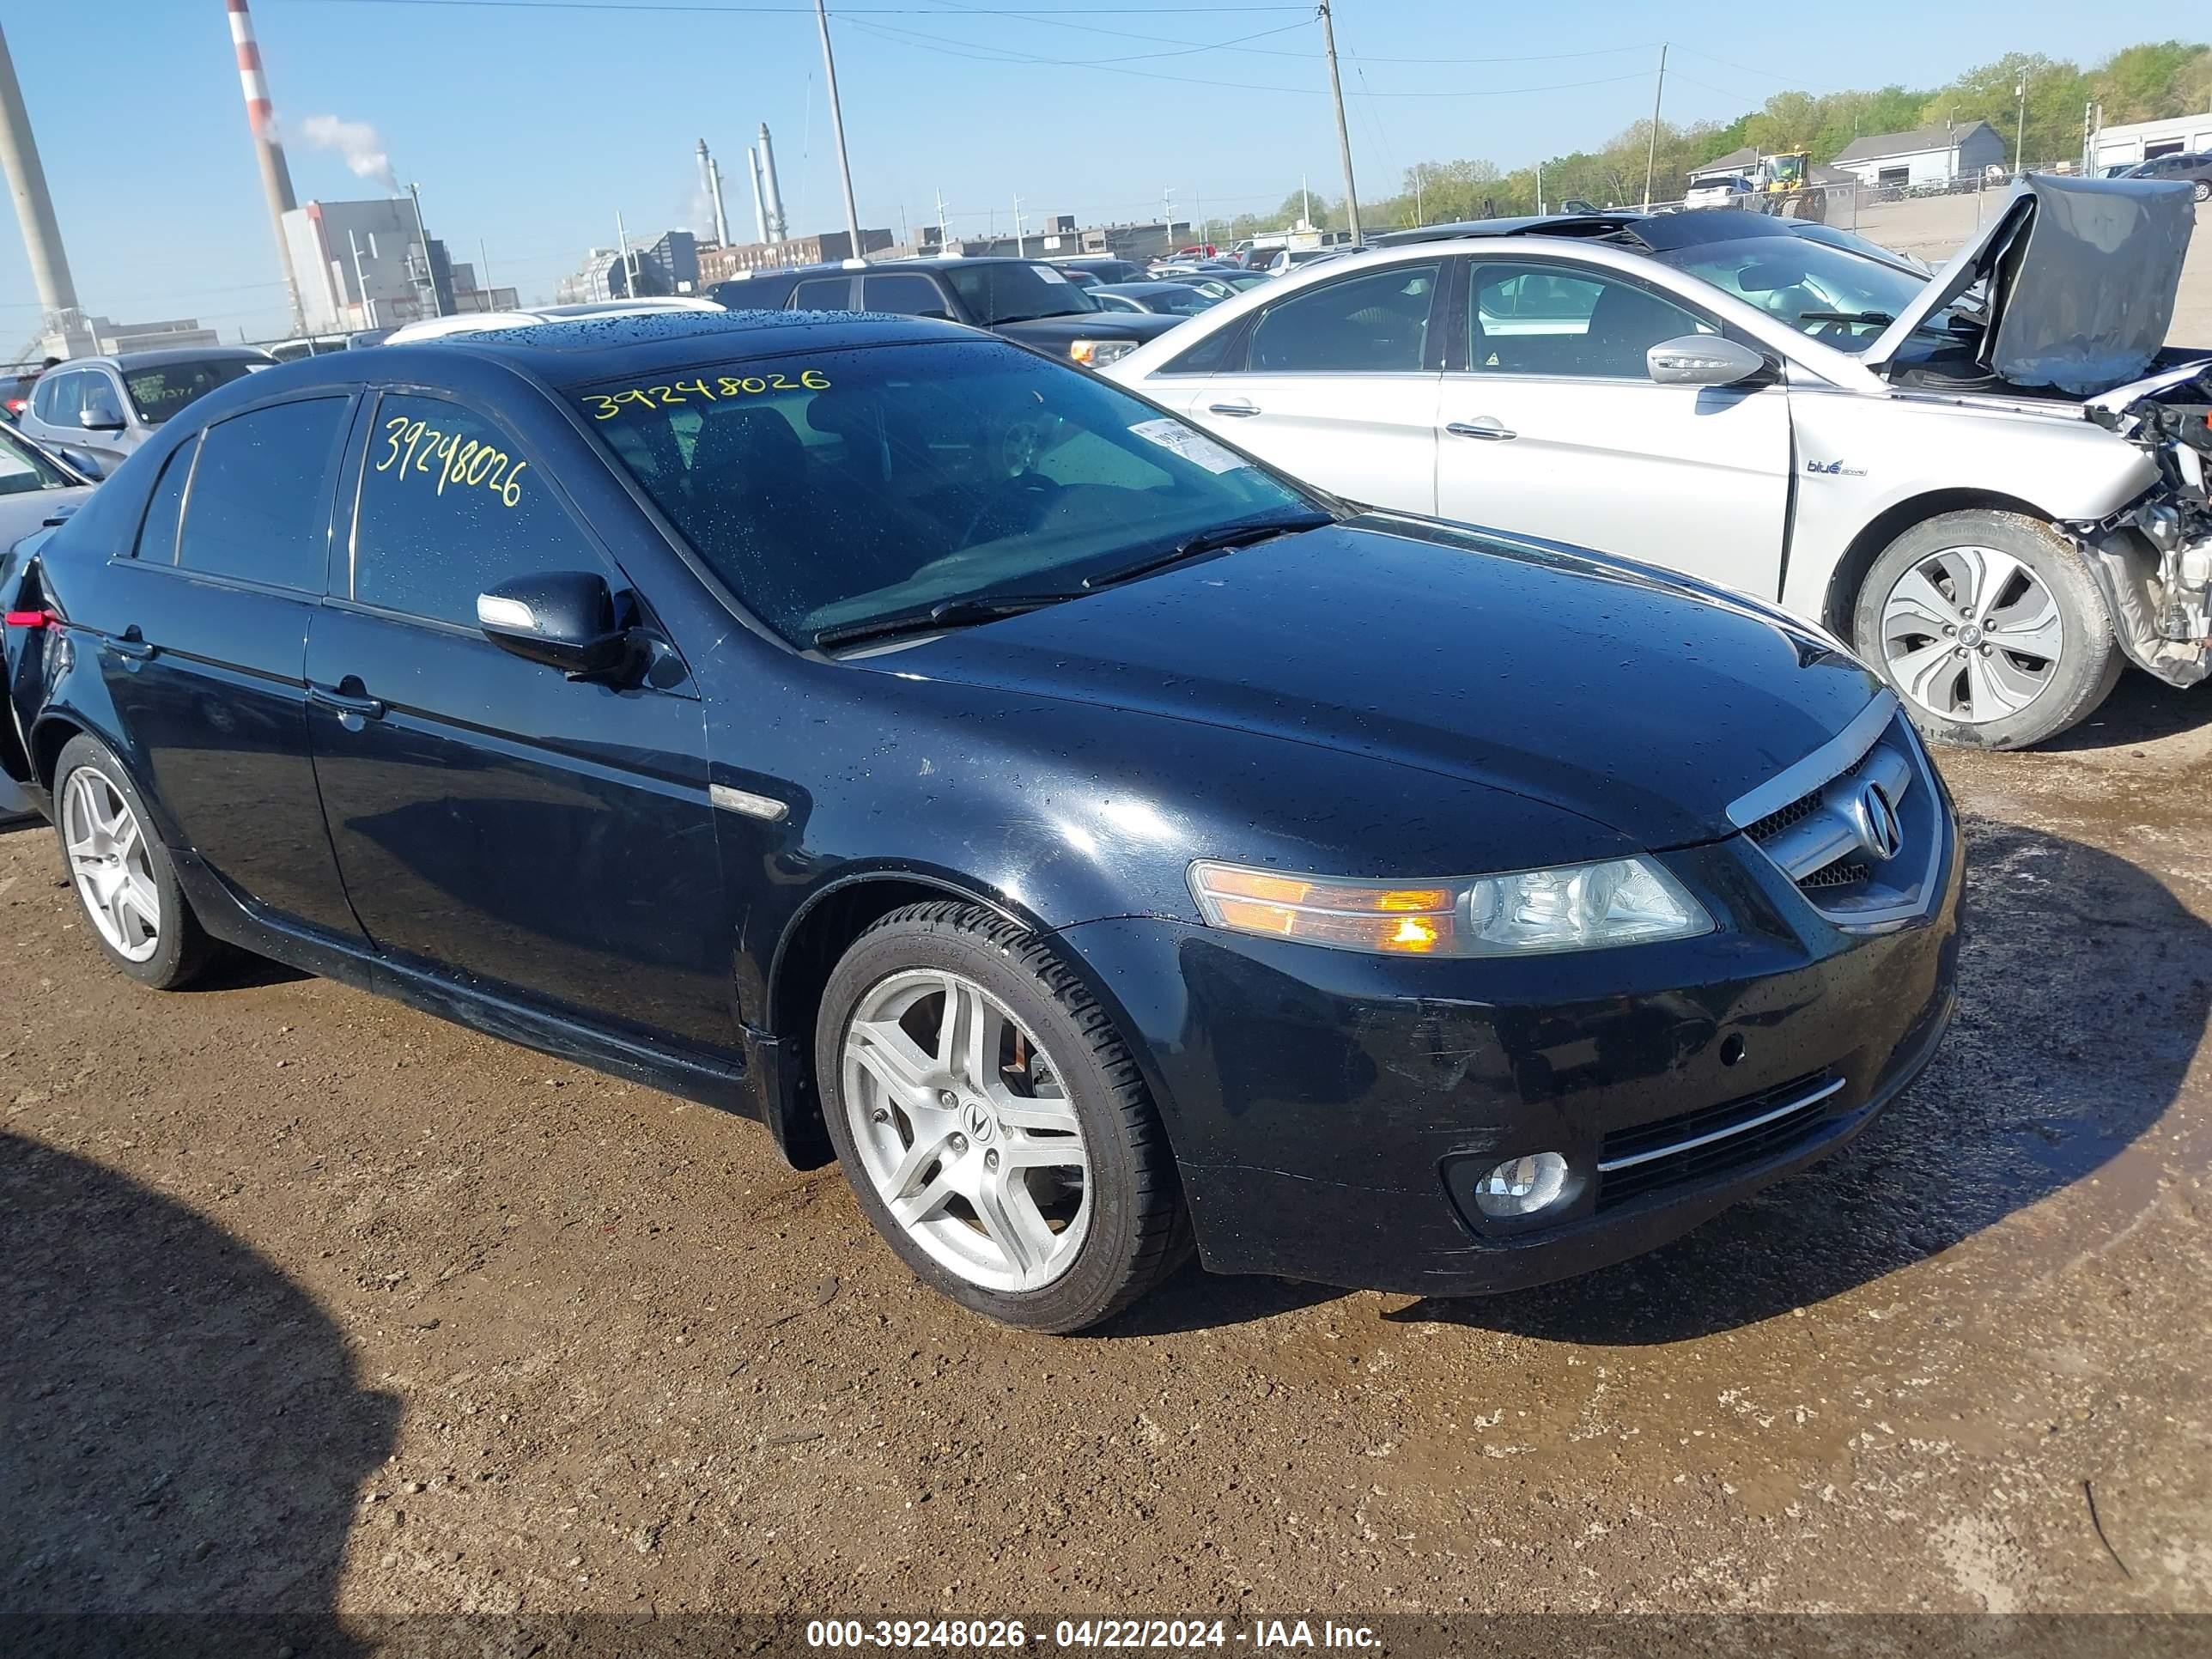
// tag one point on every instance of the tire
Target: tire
(167, 951)
(1935, 592)
(2203, 191)
(910, 1128)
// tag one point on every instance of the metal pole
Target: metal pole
(360, 283)
(430, 265)
(1343, 129)
(943, 236)
(1021, 245)
(760, 201)
(1540, 189)
(837, 126)
(483, 267)
(622, 241)
(2020, 130)
(1651, 151)
(34, 207)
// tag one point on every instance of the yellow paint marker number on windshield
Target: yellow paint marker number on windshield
(605, 406)
(417, 448)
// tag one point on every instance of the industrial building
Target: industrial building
(1928, 155)
(720, 265)
(2145, 141)
(651, 270)
(367, 264)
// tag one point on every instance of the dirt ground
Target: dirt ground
(309, 1302)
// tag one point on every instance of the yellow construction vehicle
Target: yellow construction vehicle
(1786, 187)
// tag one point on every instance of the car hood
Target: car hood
(2080, 275)
(1089, 326)
(1609, 690)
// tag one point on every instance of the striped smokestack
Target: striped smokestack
(261, 116)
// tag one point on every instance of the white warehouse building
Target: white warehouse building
(1928, 155)
(2145, 141)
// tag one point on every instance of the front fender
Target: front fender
(1864, 462)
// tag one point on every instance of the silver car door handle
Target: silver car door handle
(1241, 406)
(1488, 427)
(367, 708)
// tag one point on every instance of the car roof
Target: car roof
(1627, 227)
(1134, 290)
(156, 359)
(587, 350)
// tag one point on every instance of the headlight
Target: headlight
(1097, 353)
(1575, 907)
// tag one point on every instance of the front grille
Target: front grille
(1825, 838)
(1711, 1141)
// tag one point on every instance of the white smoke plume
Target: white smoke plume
(358, 142)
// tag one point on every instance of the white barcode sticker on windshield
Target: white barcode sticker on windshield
(1191, 445)
(1047, 274)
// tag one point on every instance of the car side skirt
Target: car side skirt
(696, 1078)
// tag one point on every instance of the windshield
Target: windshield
(1014, 292)
(23, 468)
(833, 488)
(158, 393)
(1180, 300)
(1840, 298)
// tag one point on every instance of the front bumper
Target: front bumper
(1330, 1111)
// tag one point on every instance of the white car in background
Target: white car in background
(1720, 192)
(1989, 481)
(484, 322)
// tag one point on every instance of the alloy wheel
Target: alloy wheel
(112, 863)
(964, 1131)
(1971, 634)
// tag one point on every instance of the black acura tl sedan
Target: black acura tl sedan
(1098, 843)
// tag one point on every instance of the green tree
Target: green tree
(2143, 82)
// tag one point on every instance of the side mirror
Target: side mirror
(565, 620)
(1704, 360)
(105, 418)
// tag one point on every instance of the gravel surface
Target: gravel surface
(311, 1301)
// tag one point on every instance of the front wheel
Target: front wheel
(2205, 189)
(1990, 628)
(992, 1122)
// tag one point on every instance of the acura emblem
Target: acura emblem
(1880, 833)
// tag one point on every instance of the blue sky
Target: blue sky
(528, 129)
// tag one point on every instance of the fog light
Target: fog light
(1522, 1186)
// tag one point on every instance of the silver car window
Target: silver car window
(1374, 323)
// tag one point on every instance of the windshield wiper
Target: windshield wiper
(1880, 317)
(946, 613)
(1241, 534)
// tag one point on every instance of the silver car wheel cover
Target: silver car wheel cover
(1971, 634)
(111, 863)
(964, 1131)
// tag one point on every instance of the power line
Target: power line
(955, 7)
(711, 7)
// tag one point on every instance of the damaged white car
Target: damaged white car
(1992, 481)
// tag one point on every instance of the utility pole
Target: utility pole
(837, 126)
(1167, 215)
(1021, 243)
(360, 283)
(1305, 201)
(1651, 151)
(2019, 128)
(1540, 189)
(1343, 129)
(483, 265)
(1419, 217)
(630, 272)
(423, 240)
(34, 207)
(943, 236)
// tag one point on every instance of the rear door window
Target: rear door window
(1375, 323)
(259, 510)
(450, 505)
(823, 293)
(157, 536)
(1568, 321)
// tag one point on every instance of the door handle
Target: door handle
(1240, 406)
(367, 708)
(1489, 427)
(132, 644)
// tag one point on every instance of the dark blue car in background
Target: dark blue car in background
(1098, 843)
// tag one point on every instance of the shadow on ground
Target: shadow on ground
(2085, 988)
(184, 1433)
(2140, 710)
